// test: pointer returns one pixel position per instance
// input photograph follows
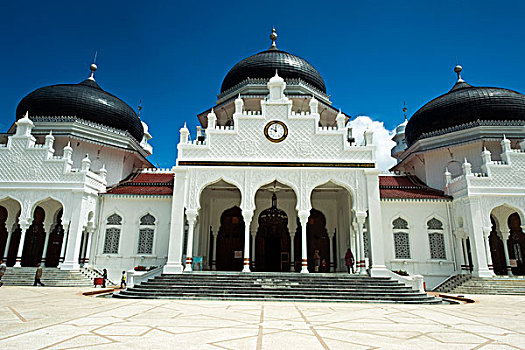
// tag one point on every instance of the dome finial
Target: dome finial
(273, 37)
(458, 70)
(139, 108)
(93, 67)
(405, 109)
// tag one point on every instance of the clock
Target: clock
(276, 131)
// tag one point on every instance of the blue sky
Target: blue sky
(173, 56)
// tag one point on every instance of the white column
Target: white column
(254, 235)
(303, 218)
(486, 234)
(292, 251)
(48, 226)
(7, 244)
(355, 247)
(466, 266)
(65, 238)
(375, 228)
(477, 244)
(174, 264)
(505, 233)
(191, 215)
(24, 226)
(214, 256)
(459, 252)
(330, 263)
(89, 239)
(73, 245)
(247, 215)
(360, 218)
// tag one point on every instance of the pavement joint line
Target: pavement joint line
(17, 314)
(58, 323)
(260, 331)
(313, 329)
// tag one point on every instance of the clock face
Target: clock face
(276, 131)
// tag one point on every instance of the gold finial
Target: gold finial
(405, 109)
(139, 108)
(273, 37)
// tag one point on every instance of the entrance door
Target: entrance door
(3, 231)
(496, 251)
(317, 239)
(55, 241)
(516, 245)
(35, 239)
(272, 239)
(230, 241)
(13, 246)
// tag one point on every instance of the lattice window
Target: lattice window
(400, 224)
(145, 241)
(114, 219)
(434, 224)
(437, 245)
(148, 220)
(401, 245)
(112, 241)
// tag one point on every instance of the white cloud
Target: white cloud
(382, 139)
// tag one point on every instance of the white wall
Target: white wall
(417, 213)
(131, 209)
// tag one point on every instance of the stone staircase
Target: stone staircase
(494, 285)
(451, 283)
(276, 287)
(51, 277)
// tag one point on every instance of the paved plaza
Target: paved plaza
(62, 318)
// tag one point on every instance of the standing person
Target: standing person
(123, 280)
(349, 260)
(104, 277)
(38, 276)
(323, 265)
(317, 260)
(3, 268)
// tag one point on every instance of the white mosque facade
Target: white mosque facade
(271, 178)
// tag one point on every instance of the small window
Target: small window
(114, 219)
(146, 234)
(401, 245)
(400, 224)
(436, 239)
(112, 241)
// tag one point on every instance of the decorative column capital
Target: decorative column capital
(360, 217)
(192, 214)
(247, 215)
(505, 233)
(486, 231)
(303, 216)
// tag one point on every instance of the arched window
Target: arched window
(111, 242)
(436, 239)
(401, 239)
(146, 234)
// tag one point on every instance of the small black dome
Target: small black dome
(86, 101)
(464, 104)
(264, 64)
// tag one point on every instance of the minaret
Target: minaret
(399, 137)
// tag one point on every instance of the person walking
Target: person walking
(349, 260)
(38, 276)
(123, 280)
(317, 260)
(3, 268)
(104, 277)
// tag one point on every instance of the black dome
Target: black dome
(86, 101)
(464, 104)
(264, 64)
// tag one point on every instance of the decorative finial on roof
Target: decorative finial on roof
(458, 70)
(139, 108)
(405, 109)
(273, 37)
(93, 67)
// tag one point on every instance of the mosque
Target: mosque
(272, 180)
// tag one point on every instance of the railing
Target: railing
(137, 277)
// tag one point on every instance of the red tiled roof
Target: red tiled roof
(407, 187)
(145, 184)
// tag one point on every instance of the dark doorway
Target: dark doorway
(316, 238)
(272, 243)
(3, 231)
(470, 266)
(13, 246)
(496, 251)
(34, 240)
(55, 241)
(516, 245)
(230, 241)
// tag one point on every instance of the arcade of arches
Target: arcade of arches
(44, 240)
(275, 239)
(507, 242)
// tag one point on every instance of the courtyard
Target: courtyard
(62, 318)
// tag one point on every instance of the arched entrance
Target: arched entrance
(55, 241)
(516, 245)
(496, 250)
(14, 243)
(316, 238)
(230, 241)
(34, 239)
(272, 241)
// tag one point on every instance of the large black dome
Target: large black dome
(86, 101)
(264, 64)
(464, 104)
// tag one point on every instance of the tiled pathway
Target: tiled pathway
(61, 318)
